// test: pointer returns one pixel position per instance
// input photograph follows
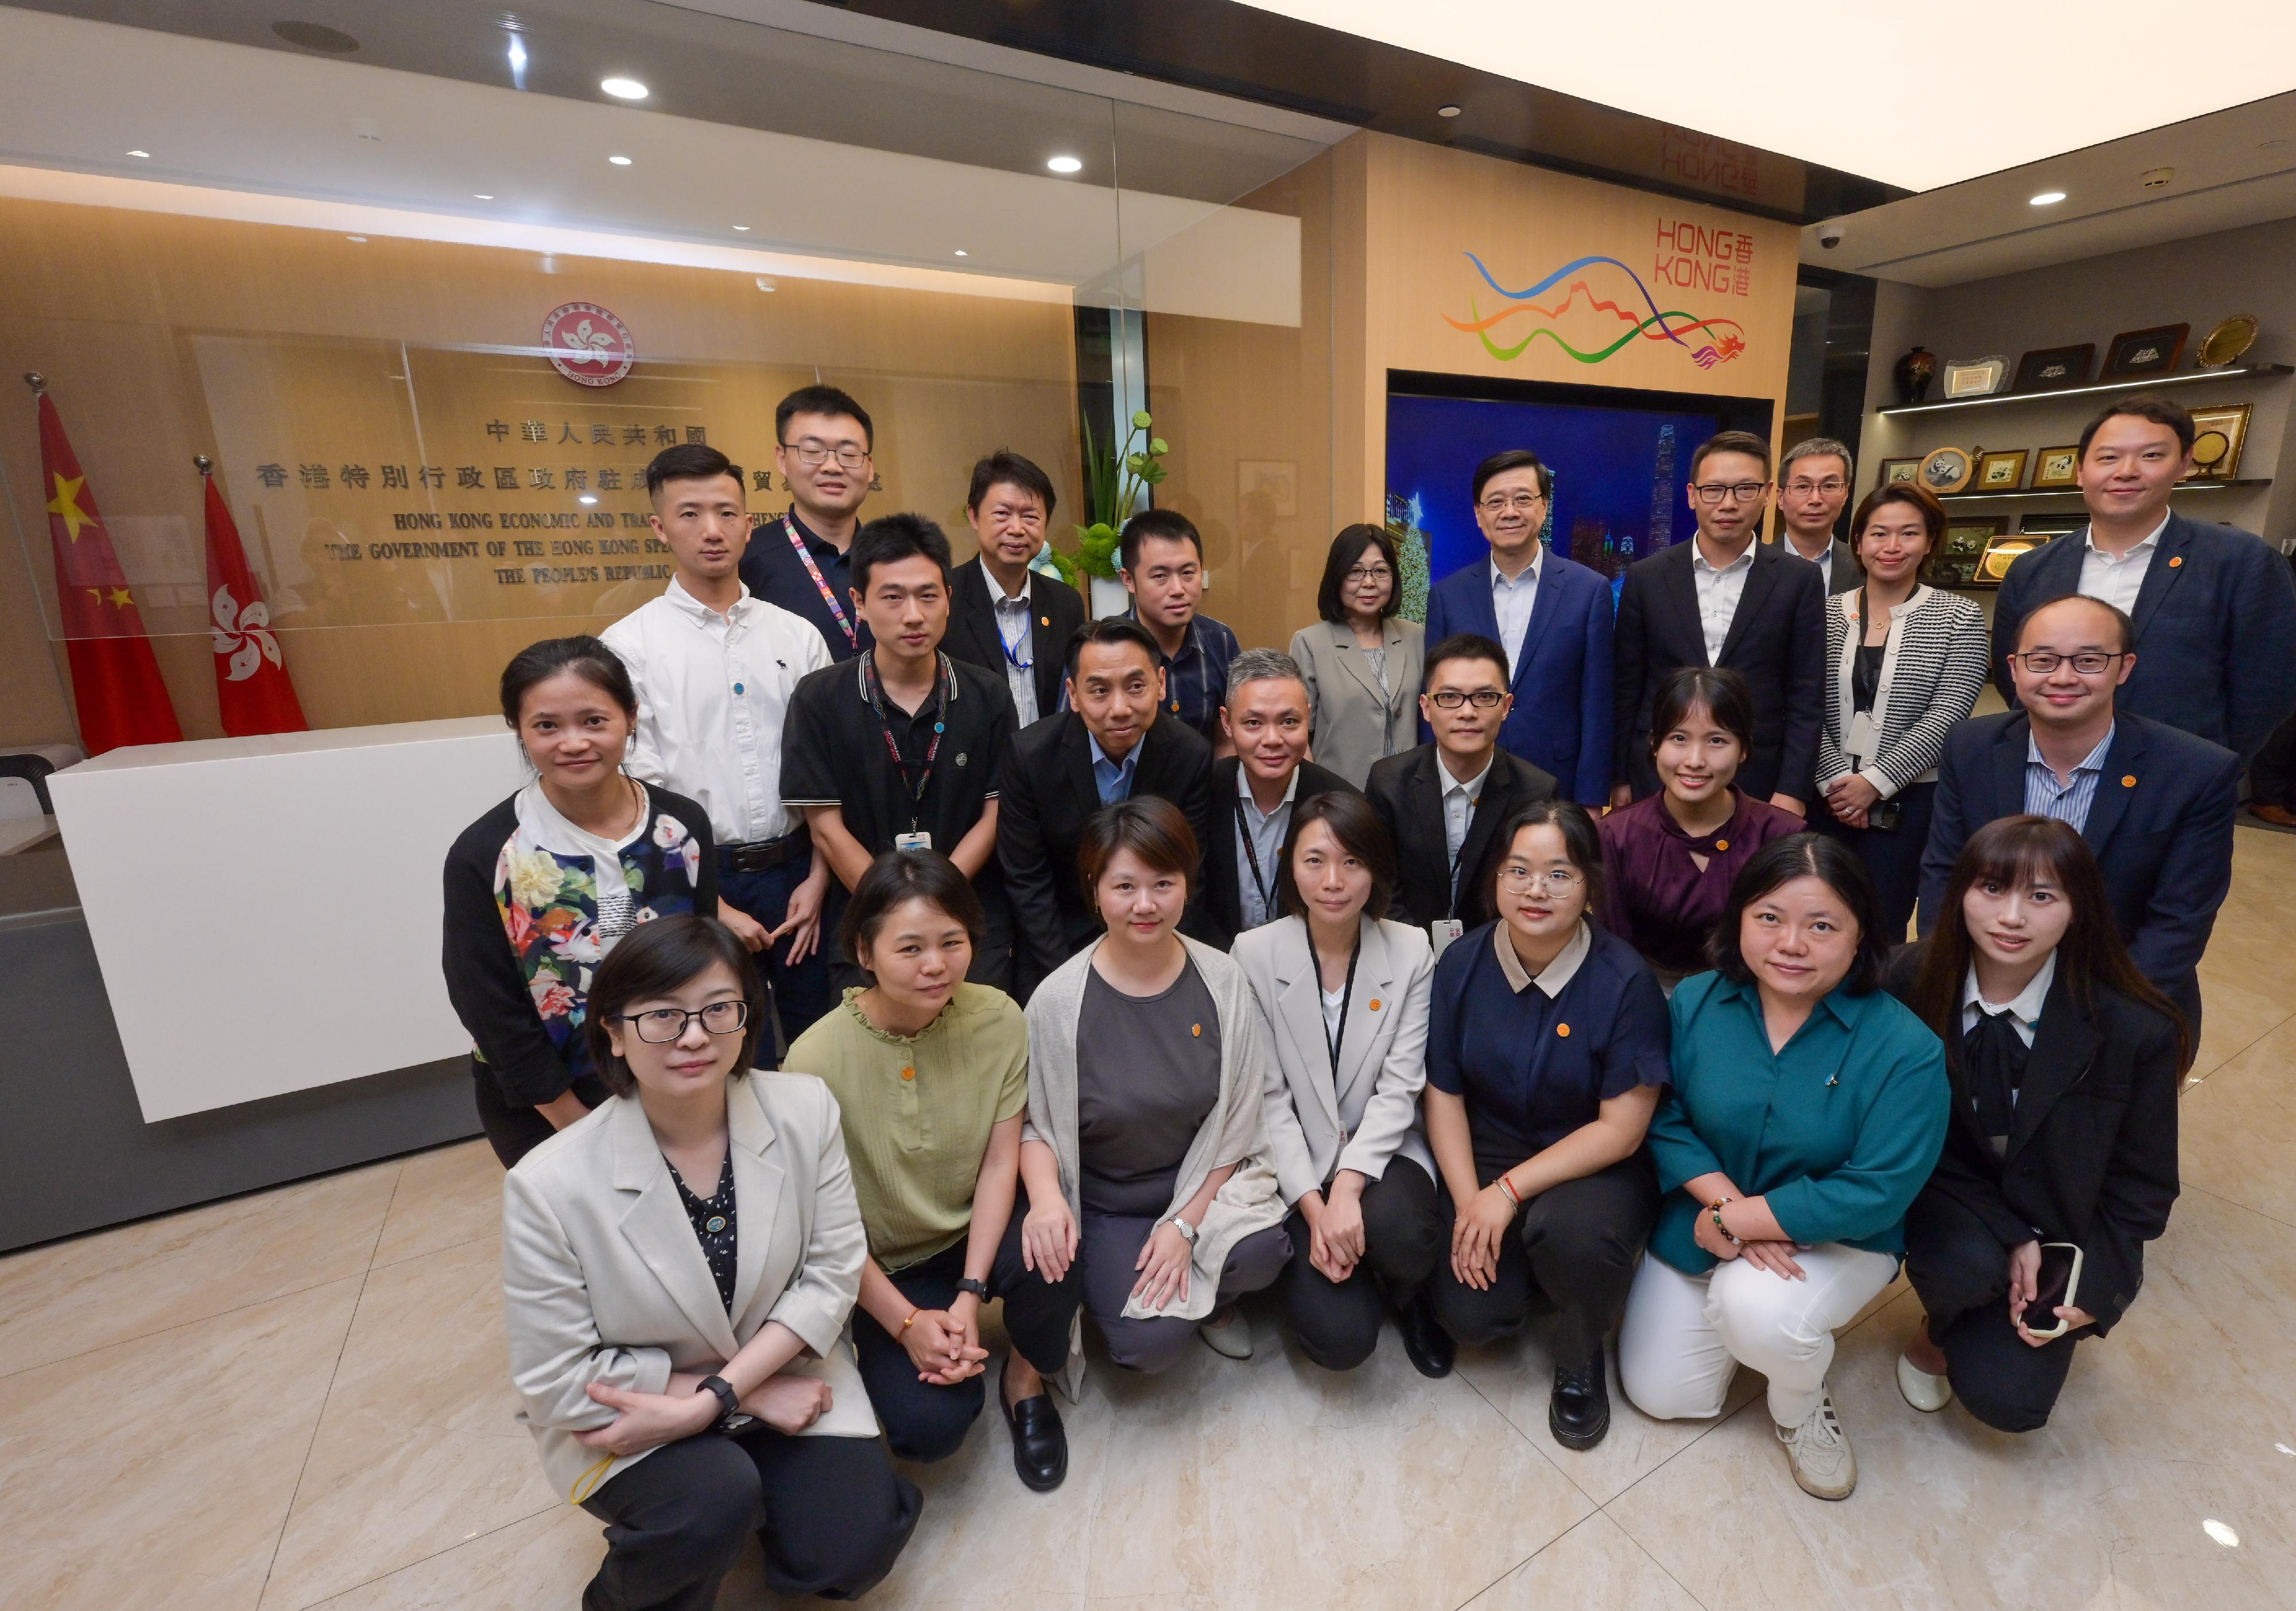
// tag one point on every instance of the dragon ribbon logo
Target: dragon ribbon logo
(1705, 341)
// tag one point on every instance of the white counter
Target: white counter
(266, 911)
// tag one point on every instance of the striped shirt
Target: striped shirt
(2070, 803)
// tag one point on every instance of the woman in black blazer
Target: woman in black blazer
(2065, 1064)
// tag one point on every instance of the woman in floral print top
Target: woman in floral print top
(540, 887)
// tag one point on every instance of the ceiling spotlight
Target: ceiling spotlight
(623, 89)
(620, 161)
(144, 154)
(517, 62)
(480, 195)
(741, 229)
(360, 238)
(2049, 198)
(963, 253)
(1066, 164)
(1447, 111)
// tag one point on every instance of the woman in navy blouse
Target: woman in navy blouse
(1807, 1111)
(1547, 1049)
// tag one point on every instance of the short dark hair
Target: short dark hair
(2121, 619)
(1169, 524)
(1726, 693)
(1361, 832)
(1783, 861)
(1581, 843)
(1347, 548)
(1513, 458)
(1463, 646)
(690, 461)
(821, 400)
(1005, 468)
(585, 656)
(1921, 499)
(1149, 827)
(1110, 632)
(1731, 441)
(890, 538)
(2144, 406)
(894, 879)
(659, 959)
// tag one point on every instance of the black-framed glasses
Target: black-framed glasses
(659, 1025)
(1736, 492)
(2088, 663)
(1483, 699)
(812, 454)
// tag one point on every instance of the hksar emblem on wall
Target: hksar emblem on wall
(587, 344)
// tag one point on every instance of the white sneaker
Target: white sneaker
(1925, 1393)
(1820, 1453)
(1230, 1335)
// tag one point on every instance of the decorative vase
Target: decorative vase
(1913, 375)
(1108, 597)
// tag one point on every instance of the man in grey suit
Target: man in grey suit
(1814, 481)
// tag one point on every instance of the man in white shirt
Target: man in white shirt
(714, 667)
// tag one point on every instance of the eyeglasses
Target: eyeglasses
(1829, 487)
(1451, 699)
(1369, 573)
(812, 453)
(1733, 491)
(1555, 880)
(1498, 504)
(2043, 662)
(659, 1025)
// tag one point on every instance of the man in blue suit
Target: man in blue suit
(1554, 618)
(2215, 606)
(2154, 803)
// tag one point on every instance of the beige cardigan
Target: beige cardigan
(1232, 1133)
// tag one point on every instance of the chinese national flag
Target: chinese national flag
(252, 687)
(115, 678)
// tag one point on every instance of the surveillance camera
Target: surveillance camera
(1829, 236)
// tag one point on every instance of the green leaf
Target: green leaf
(1154, 475)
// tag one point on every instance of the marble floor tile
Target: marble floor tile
(445, 1196)
(417, 1448)
(1592, 1567)
(539, 1564)
(2236, 1130)
(89, 1292)
(157, 1472)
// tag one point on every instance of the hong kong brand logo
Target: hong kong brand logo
(587, 344)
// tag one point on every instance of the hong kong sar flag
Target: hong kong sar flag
(115, 679)
(252, 687)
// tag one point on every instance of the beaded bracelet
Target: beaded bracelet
(1720, 1226)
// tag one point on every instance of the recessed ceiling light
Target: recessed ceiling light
(1066, 164)
(963, 253)
(741, 229)
(2049, 198)
(144, 154)
(480, 195)
(317, 36)
(1447, 111)
(620, 161)
(360, 238)
(623, 89)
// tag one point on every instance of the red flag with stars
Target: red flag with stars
(115, 680)
(253, 690)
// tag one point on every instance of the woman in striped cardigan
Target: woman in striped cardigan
(1907, 662)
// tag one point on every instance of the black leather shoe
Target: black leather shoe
(1429, 1347)
(1040, 1444)
(1579, 1409)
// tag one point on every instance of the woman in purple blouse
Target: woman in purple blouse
(1670, 858)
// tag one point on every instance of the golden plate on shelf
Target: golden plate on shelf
(2228, 341)
(1995, 565)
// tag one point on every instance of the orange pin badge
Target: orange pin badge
(908, 1074)
(2175, 560)
(1375, 1003)
(1721, 844)
(2128, 780)
(1564, 1030)
(1044, 620)
(1195, 1029)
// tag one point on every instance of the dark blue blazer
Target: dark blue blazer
(2216, 629)
(2160, 826)
(1561, 722)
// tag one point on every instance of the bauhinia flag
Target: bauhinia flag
(253, 690)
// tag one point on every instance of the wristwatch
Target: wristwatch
(733, 1417)
(979, 1289)
(1187, 1231)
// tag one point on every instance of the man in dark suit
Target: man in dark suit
(1443, 802)
(2215, 606)
(1253, 791)
(1814, 480)
(1003, 616)
(1723, 599)
(1110, 744)
(1553, 617)
(2154, 803)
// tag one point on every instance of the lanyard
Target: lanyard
(1467, 833)
(1011, 649)
(828, 597)
(1251, 855)
(893, 745)
(1335, 1038)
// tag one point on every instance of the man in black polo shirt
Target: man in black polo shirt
(801, 560)
(902, 747)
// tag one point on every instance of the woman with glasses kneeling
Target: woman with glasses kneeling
(1342, 1001)
(932, 1079)
(1144, 1155)
(2061, 1157)
(1547, 1051)
(677, 1267)
(1808, 1108)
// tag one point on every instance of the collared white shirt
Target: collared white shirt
(2024, 1013)
(1512, 602)
(1266, 843)
(1011, 615)
(1824, 560)
(2117, 581)
(1718, 592)
(1113, 779)
(1551, 978)
(2069, 803)
(713, 690)
(1459, 809)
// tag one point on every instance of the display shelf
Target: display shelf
(2074, 492)
(2149, 383)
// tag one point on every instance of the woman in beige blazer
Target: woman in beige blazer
(1361, 663)
(1342, 1000)
(677, 1268)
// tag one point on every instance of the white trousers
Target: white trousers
(1684, 1336)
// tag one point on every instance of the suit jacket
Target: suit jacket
(2092, 1154)
(1055, 610)
(1776, 641)
(2216, 629)
(1406, 790)
(1355, 724)
(2160, 826)
(1319, 1121)
(1223, 892)
(603, 1279)
(1048, 793)
(1846, 573)
(1563, 712)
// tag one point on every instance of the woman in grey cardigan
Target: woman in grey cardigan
(1144, 1152)
(1361, 661)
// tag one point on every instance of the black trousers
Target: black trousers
(1961, 1271)
(1338, 1321)
(831, 1512)
(925, 1420)
(513, 1131)
(1576, 1243)
(801, 994)
(1893, 858)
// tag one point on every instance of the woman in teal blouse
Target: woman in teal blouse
(1807, 1111)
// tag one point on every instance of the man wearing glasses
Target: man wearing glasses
(1813, 487)
(1552, 616)
(1723, 599)
(798, 559)
(2154, 802)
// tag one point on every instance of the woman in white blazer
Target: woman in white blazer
(1361, 661)
(677, 1268)
(1342, 999)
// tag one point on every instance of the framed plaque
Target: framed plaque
(1894, 470)
(1948, 469)
(2002, 471)
(1999, 552)
(2051, 367)
(2057, 468)
(2219, 436)
(2137, 353)
(1975, 377)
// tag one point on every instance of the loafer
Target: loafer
(1579, 1409)
(1040, 1443)
(1425, 1343)
(1231, 1338)
(1925, 1393)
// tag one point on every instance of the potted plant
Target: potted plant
(1118, 474)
